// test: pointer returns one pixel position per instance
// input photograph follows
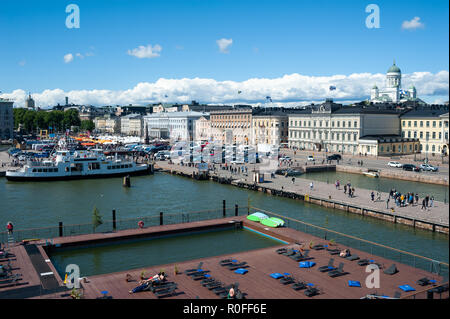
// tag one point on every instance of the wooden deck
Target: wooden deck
(257, 283)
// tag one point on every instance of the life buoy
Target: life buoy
(141, 224)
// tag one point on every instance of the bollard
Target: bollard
(224, 209)
(60, 229)
(430, 294)
(236, 210)
(161, 218)
(114, 219)
(126, 181)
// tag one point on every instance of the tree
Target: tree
(87, 125)
(96, 218)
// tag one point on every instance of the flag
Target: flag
(269, 98)
(239, 92)
(332, 88)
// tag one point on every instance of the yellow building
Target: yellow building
(271, 128)
(430, 126)
(231, 126)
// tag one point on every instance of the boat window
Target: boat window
(44, 170)
(39, 170)
(34, 170)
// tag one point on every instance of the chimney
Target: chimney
(67, 100)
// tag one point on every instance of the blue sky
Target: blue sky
(270, 39)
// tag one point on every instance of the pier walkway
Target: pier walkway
(329, 196)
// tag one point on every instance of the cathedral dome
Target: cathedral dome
(394, 69)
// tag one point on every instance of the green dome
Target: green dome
(394, 69)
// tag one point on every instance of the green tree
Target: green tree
(87, 125)
(96, 218)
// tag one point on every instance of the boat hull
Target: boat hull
(18, 178)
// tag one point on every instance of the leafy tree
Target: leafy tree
(87, 125)
(96, 218)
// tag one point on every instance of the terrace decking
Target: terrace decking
(257, 283)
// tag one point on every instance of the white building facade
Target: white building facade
(176, 126)
(131, 125)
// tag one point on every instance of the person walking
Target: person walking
(427, 199)
(311, 186)
(10, 228)
(431, 201)
(345, 189)
(423, 204)
(372, 196)
(387, 203)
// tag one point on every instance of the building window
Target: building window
(421, 135)
(415, 123)
(434, 123)
(428, 123)
(421, 123)
(355, 124)
(434, 135)
(409, 123)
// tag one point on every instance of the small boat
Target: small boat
(273, 222)
(257, 217)
(372, 173)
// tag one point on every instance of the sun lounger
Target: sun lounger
(392, 270)
(281, 251)
(423, 281)
(195, 269)
(207, 281)
(162, 287)
(311, 291)
(287, 280)
(198, 273)
(304, 257)
(166, 292)
(338, 272)
(11, 279)
(318, 247)
(397, 294)
(214, 285)
(352, 257)
(290, 252)
(239, 265)
(300, 285)
(227, 262)
(334, 251)
(328, 267)
(363, 262)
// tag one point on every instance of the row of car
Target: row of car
(414, 168)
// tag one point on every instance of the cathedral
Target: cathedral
(393, 92)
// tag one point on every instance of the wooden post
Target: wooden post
(161, 218)
(61, 229)
(236, 210)
(224, 209)
(114, 219)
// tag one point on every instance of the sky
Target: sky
(138, 52)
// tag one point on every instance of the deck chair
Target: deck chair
(334, 251)
(227, 262)
(318, 247)
(352, 257)
(299, 285)
(239, 265)
(296, 255)
(328, 267)
(203, 275)
(311, 291)
(338, 272)
(287, 280)
(214, 285)
(281, 251)
(363, 262)
(161, 287)
(166, 292)
(207, 281)
(423, 281)
(304, 257)
(392, 270)
(290, 252)
(199, 267)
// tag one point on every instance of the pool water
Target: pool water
(133, 254)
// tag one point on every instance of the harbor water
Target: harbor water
(44, 204)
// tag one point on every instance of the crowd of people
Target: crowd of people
(411, 199)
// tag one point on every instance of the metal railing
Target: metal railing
(109, 225)
(433, 266)
(439, 291)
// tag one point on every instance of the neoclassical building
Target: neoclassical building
(332, 127)
(392, 92)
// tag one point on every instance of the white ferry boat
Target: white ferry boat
(79, 165)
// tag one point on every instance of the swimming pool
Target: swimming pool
(96, 259)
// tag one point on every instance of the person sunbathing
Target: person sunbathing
(345, 253)
(154, 280)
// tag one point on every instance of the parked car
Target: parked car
(334, 157)
(395, 164)
(311, 158)
(428, 167)
(411, 167)
(285, 158)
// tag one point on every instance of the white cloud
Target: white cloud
(68, 58)
(79, 55)
(148, 51)
(224, 44)
(413, 24)
(290, 89)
